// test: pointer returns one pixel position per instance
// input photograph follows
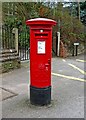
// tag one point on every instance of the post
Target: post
(76, 47)
(16, 39)
(73, 51)
(58, 33)
(76, 50)
(56, 43)
(15, 31)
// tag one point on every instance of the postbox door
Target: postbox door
(40, 54)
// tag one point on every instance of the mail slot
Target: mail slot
(40, 60)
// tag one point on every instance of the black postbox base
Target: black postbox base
(40, 96)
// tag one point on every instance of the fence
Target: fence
(8, 39)
(9, 42)
(24, 45)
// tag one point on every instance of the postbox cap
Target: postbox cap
(41, 21)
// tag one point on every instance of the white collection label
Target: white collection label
(76, 43)
(41, 47)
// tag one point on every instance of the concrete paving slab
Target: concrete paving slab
(67, 94)
(5, 94)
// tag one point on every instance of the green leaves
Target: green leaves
(71, 29)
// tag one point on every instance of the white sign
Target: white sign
(76, 43)
(41, 47)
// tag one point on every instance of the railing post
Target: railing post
(15, 31)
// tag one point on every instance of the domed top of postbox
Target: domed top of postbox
(41, 21)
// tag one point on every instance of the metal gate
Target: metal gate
(8, 38)
(24, 44)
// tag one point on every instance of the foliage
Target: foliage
(8, 66)
(71, 29)
(24, 37)
(78, 8)
(83, 12)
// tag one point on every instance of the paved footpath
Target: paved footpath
(67, 91)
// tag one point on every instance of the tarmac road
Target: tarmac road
(67, 91)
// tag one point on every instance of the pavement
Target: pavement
(67, 91)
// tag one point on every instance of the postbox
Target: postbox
(40, 60)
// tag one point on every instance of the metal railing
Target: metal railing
(8, 38)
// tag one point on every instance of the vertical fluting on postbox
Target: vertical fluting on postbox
(40, 60)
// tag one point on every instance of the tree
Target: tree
(71, 28)
(66, 16)
(83, 12)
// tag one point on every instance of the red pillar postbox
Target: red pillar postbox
(40, 60)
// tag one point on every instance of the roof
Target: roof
(40, 21)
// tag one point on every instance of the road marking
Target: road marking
(83, 72)
(80, 60)
(69, 77)
(63, 60)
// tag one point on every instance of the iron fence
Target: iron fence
(8, 38)
(24, 45)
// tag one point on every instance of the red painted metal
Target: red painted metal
(40, 63)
